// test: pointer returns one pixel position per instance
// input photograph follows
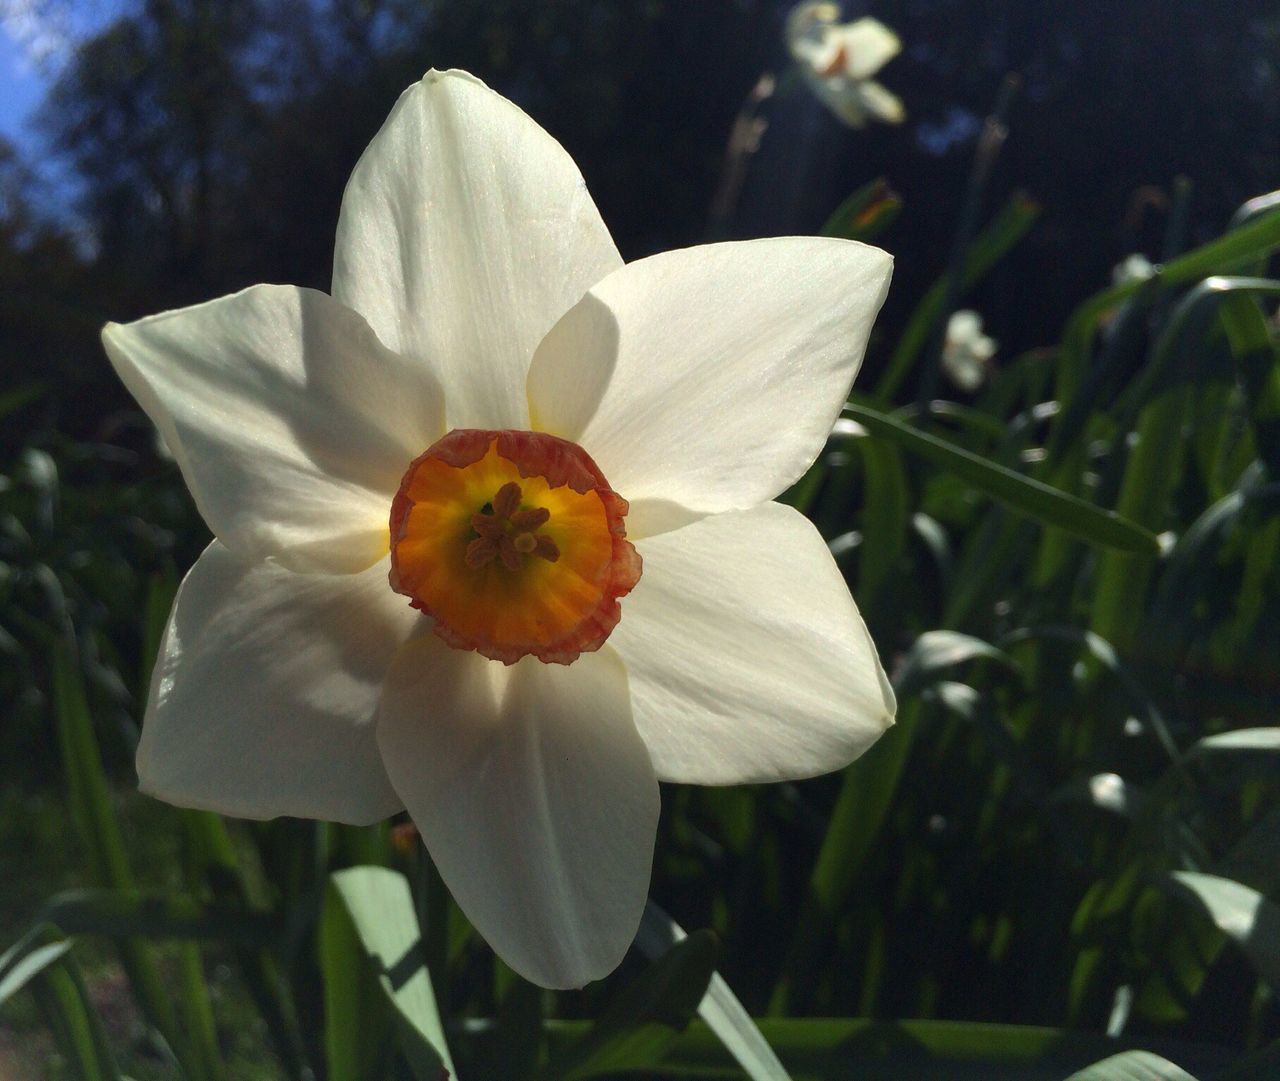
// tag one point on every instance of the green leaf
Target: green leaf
(1257, 356)
(73, 1020)
(719, 1008)
(1241, 739)
(865, 214)
(1240, 913)
(936, 652)
(94, 815)
(357, 1015)
(1016, 491)
(866, 794)
(1178, 355)
(1232, 251)
(860, 1049)
(143, 914)
(885, 512)
(645, 1017)
(380, 906)
(35, 951)
(1132, 1066)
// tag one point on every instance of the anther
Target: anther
(511, 559)
(507, 500)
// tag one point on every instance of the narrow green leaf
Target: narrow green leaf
(1120, 594)
(357, 1015)
(865, 214)
(143, 914)
(1016, 491)
(1232, 251)
(1257, 356)
(1132, 1066)
(1240, 913)
(94, 815)
(936, 652)
(645, 1017)
(860, 1049)
(380, 905)
(1178, 355)
(28, 957)
(866, 794)
(72, 1018)
(719, 1008)
(885, 509)
(1242, 739)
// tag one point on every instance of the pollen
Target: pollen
(513, 544)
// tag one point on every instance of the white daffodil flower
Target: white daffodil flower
(1135, 267)
(966, 351)
(838, 61)
(412, 600)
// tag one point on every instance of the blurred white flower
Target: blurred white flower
(966, 351)
(1135, 267)
(838, 61)
(412, 600)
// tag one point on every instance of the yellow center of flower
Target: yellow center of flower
(513, 543)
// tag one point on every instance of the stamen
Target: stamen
(487, 525)
(531, 519)
(507, 500)
(511, 559)
(507, 533)
(480, 551)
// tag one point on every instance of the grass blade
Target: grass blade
(381, 910)
(1016, 491)
(719, 1008)
(638, 1025)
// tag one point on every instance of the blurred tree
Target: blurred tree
(211, 141)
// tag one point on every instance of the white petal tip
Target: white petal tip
(435, 75)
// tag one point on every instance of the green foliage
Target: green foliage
(1063, 861)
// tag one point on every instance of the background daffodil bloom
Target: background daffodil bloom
(838, 61)
(966, 350)
(476, 290)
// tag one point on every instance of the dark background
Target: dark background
(210, 142)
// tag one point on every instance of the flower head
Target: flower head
(838, 61)
(494, 539)
(1133, 267)
(966, 351)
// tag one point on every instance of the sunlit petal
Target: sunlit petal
(466, 231)
(291, 422)
(708, 378)
(266, 689)
(535, 796)
(746, 656)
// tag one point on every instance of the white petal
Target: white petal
(868, 45)
(264, 696)
(466, 231)
(746, 656)
(709, 377)
(535, 797)
(292, 424)
(842, 96)
(964, 326)
(880, 103)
